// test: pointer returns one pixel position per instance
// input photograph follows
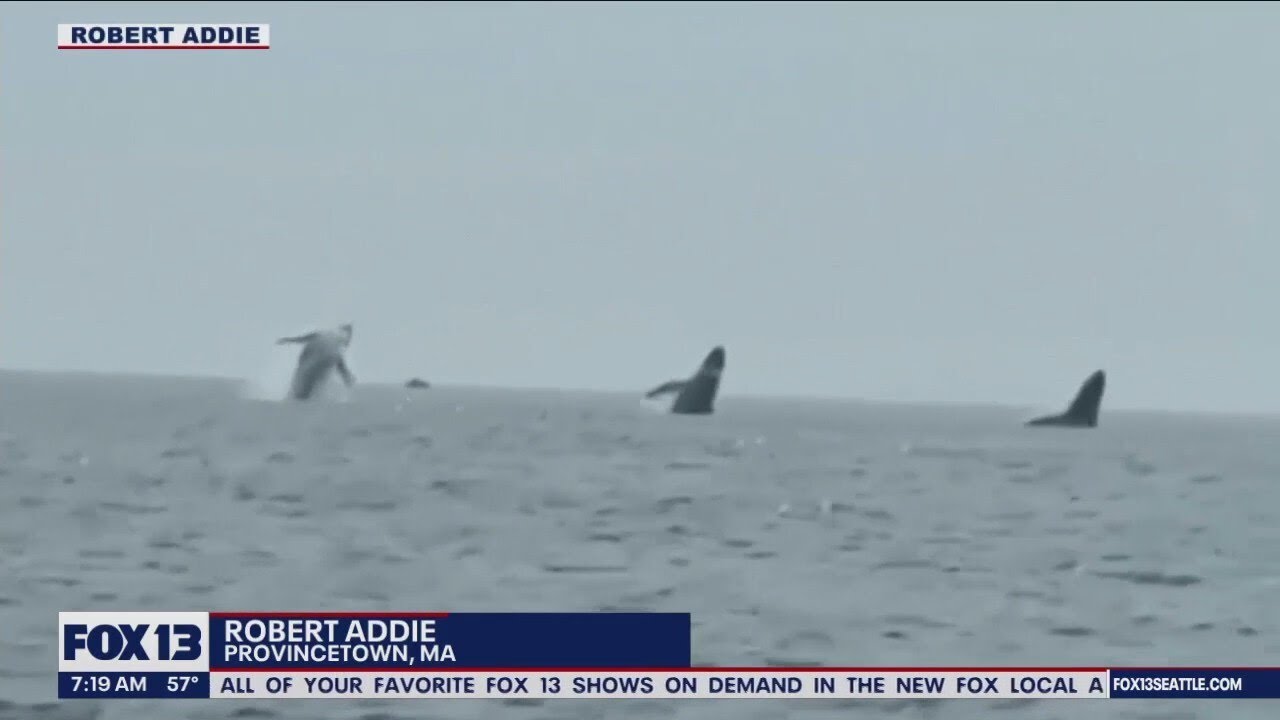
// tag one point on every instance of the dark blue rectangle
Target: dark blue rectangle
(84, 685)
(1198, 683)
(477, 640)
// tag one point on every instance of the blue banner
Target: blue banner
(1199, 683)
(363, 641)
(136, 685)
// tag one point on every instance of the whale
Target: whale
(697, 394)
(322, 355)
(1083, 410)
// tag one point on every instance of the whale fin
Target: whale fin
(666, 387)
(297, 339)
(1084, 408)
(345, 372)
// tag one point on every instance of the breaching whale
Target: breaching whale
(697, 395)
(321, 354)
(1083, 411)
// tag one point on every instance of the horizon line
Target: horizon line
(865, 400)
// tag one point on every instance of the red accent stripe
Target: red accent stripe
(326, 614)
(164, 47)
(700, 669)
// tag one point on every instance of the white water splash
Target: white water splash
(271, 380)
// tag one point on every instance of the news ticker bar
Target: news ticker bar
(536, 655)
(692, 683)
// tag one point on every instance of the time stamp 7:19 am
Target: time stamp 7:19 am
(128, 683)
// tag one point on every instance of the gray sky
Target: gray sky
(928, 202)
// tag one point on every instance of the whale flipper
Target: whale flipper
(1083, 410)
(301, 339)
(666, 387)
(348, 378)
(697, 395)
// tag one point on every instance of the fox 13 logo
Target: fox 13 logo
(125, 641)
(101, 641)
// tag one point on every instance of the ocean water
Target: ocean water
(796, 532)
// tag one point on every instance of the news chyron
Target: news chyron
(164, 36)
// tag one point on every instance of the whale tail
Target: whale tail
(1084, 408)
